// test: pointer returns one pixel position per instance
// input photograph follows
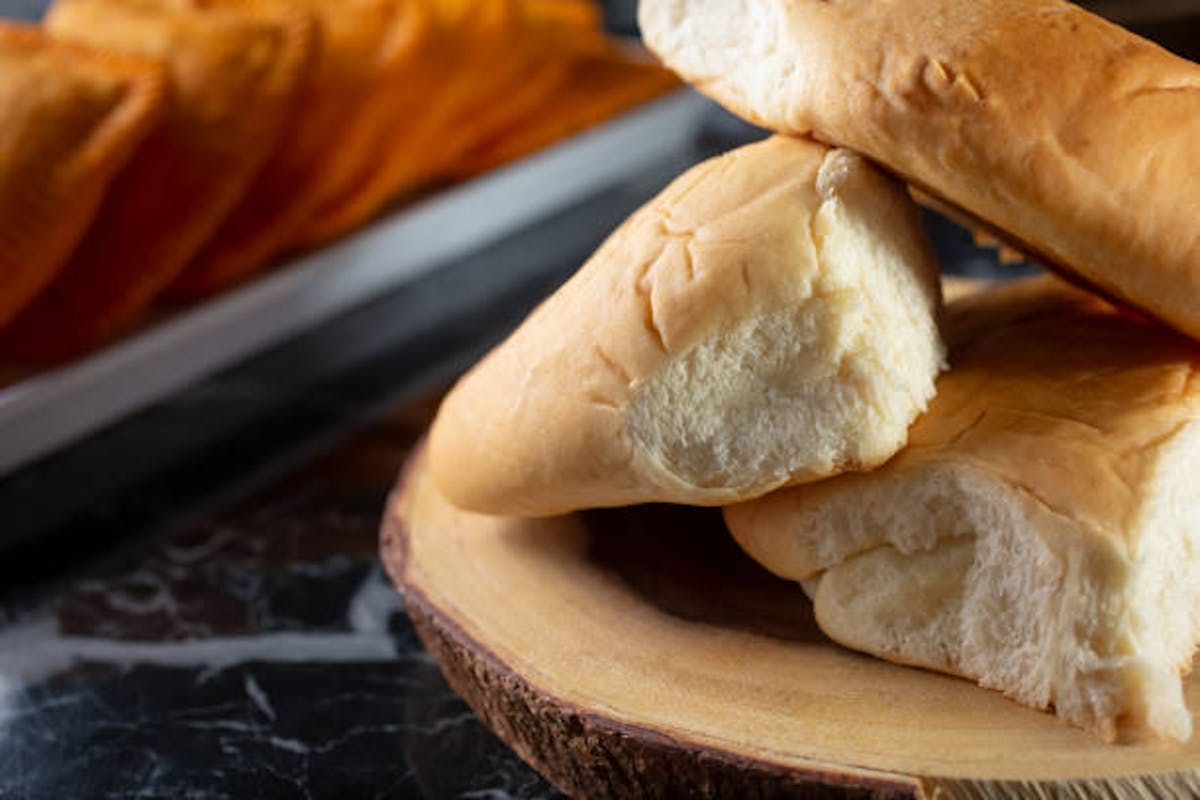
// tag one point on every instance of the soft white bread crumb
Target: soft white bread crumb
(769, 318)
(1039, 534)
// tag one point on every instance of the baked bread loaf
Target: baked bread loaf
(72, 118)
(1072, 136)
(601, 86)
(224, 111)
(769, 318)
(402, 64)
(1038, 533)
(322, 119)
(473, 52)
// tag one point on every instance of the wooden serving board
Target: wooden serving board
(637, 653)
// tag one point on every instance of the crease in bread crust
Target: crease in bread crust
(770, 317)
(1037, 533)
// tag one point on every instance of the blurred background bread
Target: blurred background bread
(73, 117)
(234, 68)
(270, 147)
(320, 120)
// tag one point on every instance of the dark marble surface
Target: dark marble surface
(257, 653)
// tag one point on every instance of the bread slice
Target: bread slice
(324, 116)
(769, 318)
(1074, 137)
(1039, 533)
(72, 118)
(223, 115)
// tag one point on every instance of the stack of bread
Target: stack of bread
(164, 150)
(1002, 489)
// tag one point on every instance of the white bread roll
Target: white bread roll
(1039, 533)
(769, 318)
(1072, 136)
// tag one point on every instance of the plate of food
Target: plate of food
(216, 204)
(759, 504)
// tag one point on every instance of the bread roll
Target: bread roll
(72, 119)
(232, 68)
(1072, 136)
(456, 59)
(768, 319)
(371, 135)
(322, 120)
(1038, 533)
(601, 87)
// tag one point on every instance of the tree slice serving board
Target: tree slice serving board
(637, 653)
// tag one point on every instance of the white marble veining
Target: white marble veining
(36, 649)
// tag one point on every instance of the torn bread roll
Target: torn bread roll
(1038, 533)
(1074, 137)
(769, 318)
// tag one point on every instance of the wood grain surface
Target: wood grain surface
(637, 653)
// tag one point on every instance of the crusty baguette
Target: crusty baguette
(223, 114)
(323, 118)
(769, 318)
(72, 118)
(1073, 136)
(1038, 534)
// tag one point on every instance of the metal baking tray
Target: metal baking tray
(56, 407)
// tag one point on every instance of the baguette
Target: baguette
(223, 113)
(1038, 533)
(73, 117)
(1072, 136)
(768, 319)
